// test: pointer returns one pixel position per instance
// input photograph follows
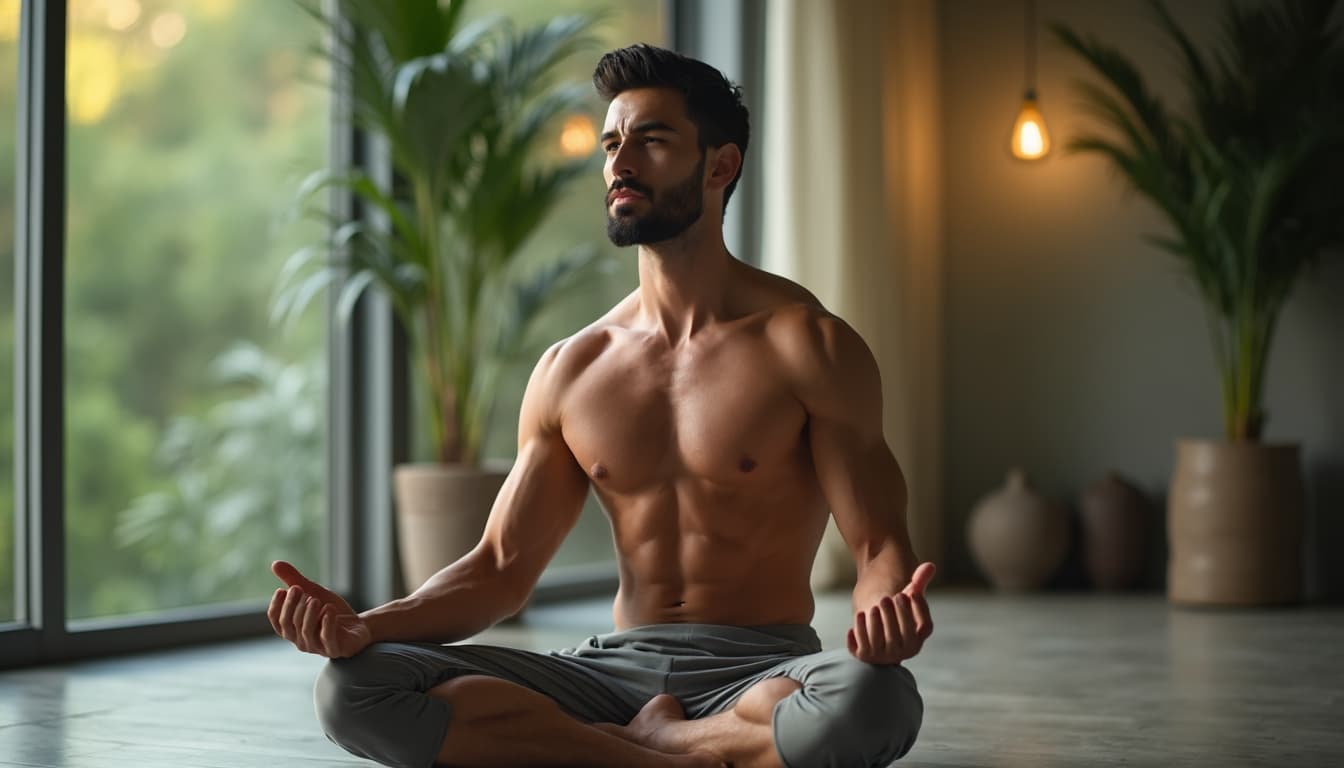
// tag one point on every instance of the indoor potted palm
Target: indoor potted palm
(1248, 178)
(464, 110)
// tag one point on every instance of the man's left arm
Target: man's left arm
(863, 485)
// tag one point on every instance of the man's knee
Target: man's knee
(851, 713)
(341, 693)
(883, 708)
(371, 705)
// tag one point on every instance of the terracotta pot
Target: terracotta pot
(1116, 521)
(1018, 538)
(441, 513)
(1235, 524)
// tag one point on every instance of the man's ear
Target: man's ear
(725, 161)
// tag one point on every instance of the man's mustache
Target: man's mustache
(635, 186)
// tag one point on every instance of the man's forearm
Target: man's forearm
(885, 574)
(456, 603)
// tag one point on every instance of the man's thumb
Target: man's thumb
(289, 574)
(920, 579)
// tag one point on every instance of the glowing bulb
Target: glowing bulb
(167, 29)
(1030, 139)
(577, 136)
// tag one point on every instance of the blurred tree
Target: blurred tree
(190, 125)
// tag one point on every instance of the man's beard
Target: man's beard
(672, 211)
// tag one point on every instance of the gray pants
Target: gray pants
(848, 714)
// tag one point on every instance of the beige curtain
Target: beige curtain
(852, 211)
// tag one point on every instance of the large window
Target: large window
(168, 439)
(9, 76)
(195, 427)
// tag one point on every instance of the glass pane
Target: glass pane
(9, 80)
(577, 220)
(195, 427)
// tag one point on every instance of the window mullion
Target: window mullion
(39, 350)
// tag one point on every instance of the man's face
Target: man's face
(654, 170)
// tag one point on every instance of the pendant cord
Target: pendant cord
(1031, 45)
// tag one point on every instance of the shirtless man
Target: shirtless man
(719, 413)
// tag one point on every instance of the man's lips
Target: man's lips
(625, 194)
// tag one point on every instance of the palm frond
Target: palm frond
(1248, 179)
(464, 110)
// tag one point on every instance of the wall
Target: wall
(1072, 347)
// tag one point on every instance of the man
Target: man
(719, 413)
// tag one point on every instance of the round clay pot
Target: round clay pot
(1116, 520)
(441, 513)
(1017, 537)
(1234, 521)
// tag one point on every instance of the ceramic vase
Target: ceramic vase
(1018, 538)
(1117, 523)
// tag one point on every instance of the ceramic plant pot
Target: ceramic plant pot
(441, 513)
(1234, 522)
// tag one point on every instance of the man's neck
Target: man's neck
(684, 283)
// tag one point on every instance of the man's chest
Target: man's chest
(724, 416)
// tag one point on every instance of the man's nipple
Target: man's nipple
(746, 464)
(597, 471)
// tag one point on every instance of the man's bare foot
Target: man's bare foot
(644, 731)
(650, 726)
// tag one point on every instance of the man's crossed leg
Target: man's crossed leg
(665, 695)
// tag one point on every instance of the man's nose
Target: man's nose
(623, 163)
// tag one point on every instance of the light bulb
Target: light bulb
(1031, 141)
(577, 136)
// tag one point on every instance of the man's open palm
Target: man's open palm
(313, 618)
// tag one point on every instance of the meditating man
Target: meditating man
(719, 413)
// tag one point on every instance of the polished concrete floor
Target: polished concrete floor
(1034, 681)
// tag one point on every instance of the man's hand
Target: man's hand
(313, 618)
(896, 627)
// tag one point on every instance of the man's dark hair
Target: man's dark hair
(713, 103)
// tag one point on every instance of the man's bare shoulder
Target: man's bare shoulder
(569, 357)
(803, 331)
(823, 356)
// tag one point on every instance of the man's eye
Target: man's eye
(611, 147)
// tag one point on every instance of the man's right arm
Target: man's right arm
(534, 512)
(538, 506)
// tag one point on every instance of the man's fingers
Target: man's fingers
(273, 611)
(312, 622)
(923, 621)
(861, 634)
(326, 634)
(293, 597)
(296, 621)
(905, 617)
(891, 628)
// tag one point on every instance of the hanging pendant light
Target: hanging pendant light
(1031, 141)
